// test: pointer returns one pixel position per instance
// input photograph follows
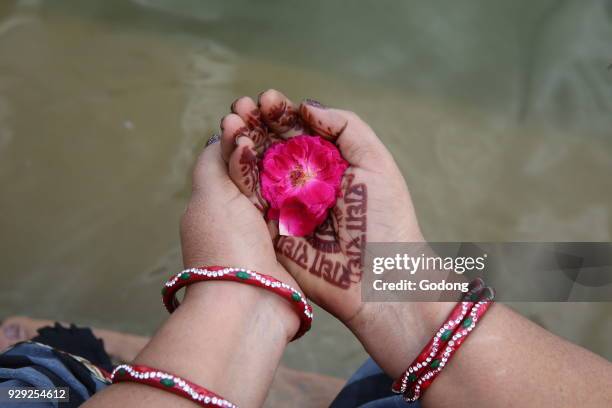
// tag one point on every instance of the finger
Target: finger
(273, 229)
(232, 127)
(244, 172)
(200, 221)
(357, 142)
(210, 170)
(243, 166)
(246, 108)
(280, 114)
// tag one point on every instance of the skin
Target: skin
(211, 338)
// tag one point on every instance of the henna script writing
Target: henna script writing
(334, 252)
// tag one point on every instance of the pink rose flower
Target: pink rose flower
(300, 179)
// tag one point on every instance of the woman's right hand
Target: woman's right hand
(375, 207)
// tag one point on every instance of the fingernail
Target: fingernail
(233, 107)
(240, 132)
(244, 138)
(315, 104)
(213, 139)
(221, 123)
(259, 97)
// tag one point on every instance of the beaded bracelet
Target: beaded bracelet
(168, 382)
(430, 351)
(417, 388)
(220, 273)
(423, 370)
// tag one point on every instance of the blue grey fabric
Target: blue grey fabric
(31, 364)
(370, 387)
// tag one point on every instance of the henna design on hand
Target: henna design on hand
(241, 131)
(324, 237)
(356, 224)
(339, 262)
(260, 203)
(249, 172)
(317, 126)
(285, 117)
(334, 252)
(258, 132)
(248, 169)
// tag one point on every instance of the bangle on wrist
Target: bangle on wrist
(186, 277)
(447, 340)
(168, 382)
(430, 351)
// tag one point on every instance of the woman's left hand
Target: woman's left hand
(222, 227)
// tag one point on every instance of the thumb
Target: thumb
(210, 176)
(357, 142)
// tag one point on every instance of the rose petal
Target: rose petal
(297, 150)
(316, 193)
(294, 219)
(273, 213)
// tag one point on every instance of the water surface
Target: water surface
(498, 113)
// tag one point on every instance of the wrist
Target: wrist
(248, 303)
(393, 333)
(226, 336)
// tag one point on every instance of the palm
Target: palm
(330, 259)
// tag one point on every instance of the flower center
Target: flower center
(299, 177)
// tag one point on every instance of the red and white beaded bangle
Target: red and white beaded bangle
(432, 359)
(221, 273)
(414, 392)
(430, 351)
(169, 382)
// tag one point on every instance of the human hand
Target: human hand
(210, 338)
(375, 205)
(221, 227)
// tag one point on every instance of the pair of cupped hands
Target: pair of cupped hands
(225, 223)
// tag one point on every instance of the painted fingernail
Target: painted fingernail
(315, 104)
(213, 139)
